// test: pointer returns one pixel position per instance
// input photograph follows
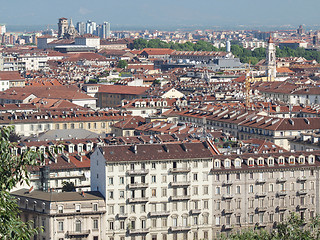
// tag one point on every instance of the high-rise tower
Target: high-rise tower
(271, 60)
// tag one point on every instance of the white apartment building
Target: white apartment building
(188, 191)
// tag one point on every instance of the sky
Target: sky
(164, 13)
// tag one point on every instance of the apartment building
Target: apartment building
(67, 215)
(155, 191)
(250, 124)
(189, 191)
(27, 124)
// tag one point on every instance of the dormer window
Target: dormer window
(260, 161)
(311, 159)
(251, 162)
(227, 163)
(301, 160)
(292, 160)
(281, 160)
(217, 164)
(270, 161)
(237, 163)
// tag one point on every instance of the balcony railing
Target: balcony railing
(282, 193)
(159, 214)
(180, 198)
(227, 196)
(261, 209)
(302, 179)
(180, 170)
(227, 183)
(138, 172)
(78, 233)
(282, 208)
(195, 211)
(261, 195)
(122, 215)
(180, 228)
(137, 200)
(302, 192)
(228, 211)
(139, 231)
(137, 185)
(260, 181)
(180, 184)
(281, 180)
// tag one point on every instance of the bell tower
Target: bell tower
(271, 61)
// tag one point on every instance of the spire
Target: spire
(71, 24)
(270, 40)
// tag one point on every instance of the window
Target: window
(163, 192)
(121, 180)
(60, 226)
(195, 177)
(251, 218)
(195, 190)
(205, 190)
(153, 179)
(121, 194)
(78, 226)
(164, 222)
(217, 190)
(251, 189)
(205, 176)
(153, 165)
(95, 207)
(60, 209)
(153, 192)
(164, 178)
(111, 209)
(217, 220)
(110, 180)
(238, 191)
(205, 204)
(110, 194)
(95, 224)
(238, 176)
(78, 208)
(122, 225)
(111, 225)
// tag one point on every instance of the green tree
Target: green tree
(13, 171)
(68, 187)
(122, 64)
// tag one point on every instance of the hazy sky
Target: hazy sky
(164, 12)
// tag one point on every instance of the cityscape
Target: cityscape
(194, 133)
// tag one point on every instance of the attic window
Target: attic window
(311, 159)
(251, 162)
(291, 160)
(217, 163)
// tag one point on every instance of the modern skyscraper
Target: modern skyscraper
(105, 30)
(81, 28)
(91, 27)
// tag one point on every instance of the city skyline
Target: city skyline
(171, 14)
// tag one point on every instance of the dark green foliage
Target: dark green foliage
(294, 228)
(122, 64)
(68, 187)
(13, 170)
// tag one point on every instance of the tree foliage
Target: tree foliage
(68, 187)
(122, 64)
(294, 228)
(244, 54)
(13, 171)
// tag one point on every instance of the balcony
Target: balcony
(138, 200)
(261, 225)
(260, 181)
(261, 209)
(281, 180)
(138, 172)
(180, 228)
(301, 179)
(179, 184)
(281, 208)
(195, 211)
(227, 183)
(227, 196)
(137, 185)
(78, 234)
(228, 211)
(122, 215)
(302, 207)
(261, 195)
(282, 193)
(159, 214)
(227, 227)
(302, 192)
(139, 231)
(180, 198)
(179, 170)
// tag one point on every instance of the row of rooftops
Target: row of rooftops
(244, 118)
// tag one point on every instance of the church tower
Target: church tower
(271, 61)
(62, 27)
